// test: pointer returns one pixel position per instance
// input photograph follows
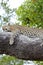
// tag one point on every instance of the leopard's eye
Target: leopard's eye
(7, 29)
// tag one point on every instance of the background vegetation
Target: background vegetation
(30, 13)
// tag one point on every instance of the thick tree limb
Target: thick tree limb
(22, 47)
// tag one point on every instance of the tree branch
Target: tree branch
(23, 47)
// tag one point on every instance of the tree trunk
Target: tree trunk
(22, 47)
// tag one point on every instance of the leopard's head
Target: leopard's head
(6, 28)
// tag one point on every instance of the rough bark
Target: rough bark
(23, 47)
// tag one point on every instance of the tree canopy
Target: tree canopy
(31, 13)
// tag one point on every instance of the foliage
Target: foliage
(8, 12)
(9, 60)
(38, 62)
(31, 13)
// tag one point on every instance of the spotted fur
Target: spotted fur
(32, 32)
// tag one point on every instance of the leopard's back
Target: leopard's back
(24, 30)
